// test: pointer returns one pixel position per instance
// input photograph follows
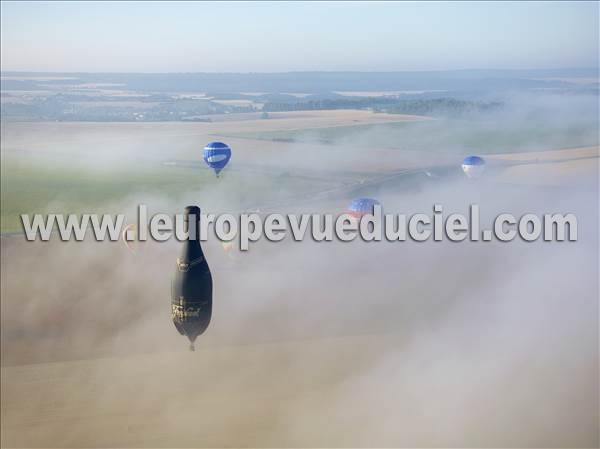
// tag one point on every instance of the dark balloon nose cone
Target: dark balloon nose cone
(191, 210)
(191, 289)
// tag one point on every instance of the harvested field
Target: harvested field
(551, 168)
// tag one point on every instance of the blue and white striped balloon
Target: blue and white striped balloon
(217, 155)
(473, 166)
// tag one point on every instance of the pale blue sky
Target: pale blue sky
(288, 36)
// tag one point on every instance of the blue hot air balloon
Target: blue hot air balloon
(217, 155)
(473, 166)
(362, 206)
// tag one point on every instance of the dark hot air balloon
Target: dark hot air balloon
(191, 289)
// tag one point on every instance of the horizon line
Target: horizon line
(596, 69)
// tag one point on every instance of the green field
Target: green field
(30, 187)
(33, 188)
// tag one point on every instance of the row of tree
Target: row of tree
(393, 105)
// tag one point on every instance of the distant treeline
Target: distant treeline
(393, 105)
(106, 108)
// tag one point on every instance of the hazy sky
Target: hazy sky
(287, 36)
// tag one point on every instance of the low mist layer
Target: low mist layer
(400, 344)
(471, 344)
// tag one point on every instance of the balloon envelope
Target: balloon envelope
(217, 155)
(473, 166)
(129, 236)
(361, 206)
